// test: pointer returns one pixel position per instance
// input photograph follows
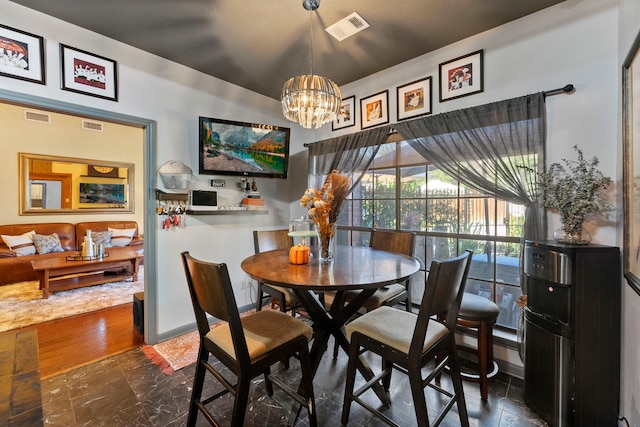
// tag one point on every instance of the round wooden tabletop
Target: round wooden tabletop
(354, 267)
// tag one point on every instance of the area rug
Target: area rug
(176, 353)
(21, 304)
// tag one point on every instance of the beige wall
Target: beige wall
(65, 136)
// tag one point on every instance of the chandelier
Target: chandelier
(310, 100)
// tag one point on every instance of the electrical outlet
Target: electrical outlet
(245, 284)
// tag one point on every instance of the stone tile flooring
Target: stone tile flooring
(128, 390)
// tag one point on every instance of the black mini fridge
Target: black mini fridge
(572, 333)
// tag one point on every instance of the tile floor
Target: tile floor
(128, 390)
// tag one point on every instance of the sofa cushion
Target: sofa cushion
(47, 243)
(121, 237)
(21, 245)
(102, 238)
(97, 226)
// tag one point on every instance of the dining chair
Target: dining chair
(393, 241)
(267, 241)
(403, 242)
(247, 346)
(409, 342)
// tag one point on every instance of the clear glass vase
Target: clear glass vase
(326, 242)
(579, 236)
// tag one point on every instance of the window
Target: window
(401, 191)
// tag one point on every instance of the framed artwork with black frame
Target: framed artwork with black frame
(21, 55)
(414, 99)
(347, 115)
(374, 110)
(89, 74)
(631, 171)
(462, 76)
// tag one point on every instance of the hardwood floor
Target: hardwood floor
(75, 341)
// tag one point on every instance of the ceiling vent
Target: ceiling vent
(94, 126)
(347, 27)
(35, 116)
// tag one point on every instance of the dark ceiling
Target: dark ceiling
(259, 45)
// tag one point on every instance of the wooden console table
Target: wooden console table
(59, 274)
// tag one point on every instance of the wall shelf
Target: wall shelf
(178, 197)
(184, 197)
(229, 212)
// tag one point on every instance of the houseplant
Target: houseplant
(324, 205)
(574, 189)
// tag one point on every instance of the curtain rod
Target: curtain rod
(567, 89)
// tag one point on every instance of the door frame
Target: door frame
(150, 128)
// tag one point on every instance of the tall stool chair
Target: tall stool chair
(480, 314)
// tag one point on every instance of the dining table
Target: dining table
(354, 268)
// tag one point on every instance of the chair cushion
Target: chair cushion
(289, 296)
(263, 330)
(475, 307)
(394, 328)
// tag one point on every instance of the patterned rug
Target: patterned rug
(21, 304)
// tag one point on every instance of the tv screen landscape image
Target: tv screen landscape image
(245, 149)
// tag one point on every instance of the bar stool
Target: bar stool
(480, 314)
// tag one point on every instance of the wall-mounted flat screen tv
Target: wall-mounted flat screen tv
(244, 149)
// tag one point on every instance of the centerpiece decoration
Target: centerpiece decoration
(324, 207)
(575, 192)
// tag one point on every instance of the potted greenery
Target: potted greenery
(575, 190)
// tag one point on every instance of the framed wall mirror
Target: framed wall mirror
(67, 185)
(631, 134)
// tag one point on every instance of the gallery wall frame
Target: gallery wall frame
(414, 99)
(21, 55)
(462, 76)
(631, 168)
(88, 73)
(347, 115)
(374, 110)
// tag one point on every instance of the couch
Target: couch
(15, 268)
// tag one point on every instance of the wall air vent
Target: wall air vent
(36, 116)
(346, 27)
(94, 126)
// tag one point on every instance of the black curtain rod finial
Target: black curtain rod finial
(566, 89)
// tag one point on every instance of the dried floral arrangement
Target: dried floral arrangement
(575, 189)
(324, 205)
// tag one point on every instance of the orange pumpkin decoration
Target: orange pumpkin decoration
(299, 254)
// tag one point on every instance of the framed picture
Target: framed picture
(92, 193)
(462, 76)
(414, 99)
(631, 156)
(21, 55)
(89, 74)
(347, 115)
(374, 110)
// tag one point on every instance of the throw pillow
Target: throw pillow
(121, 236)
(102, 238)
(21, 245)
(46, 244)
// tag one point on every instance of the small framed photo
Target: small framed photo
(89, 74)
(374, 110)
(347, 115)
(414, 99)
(21, 55)
(462, 76)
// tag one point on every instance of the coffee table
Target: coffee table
(60, 274)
